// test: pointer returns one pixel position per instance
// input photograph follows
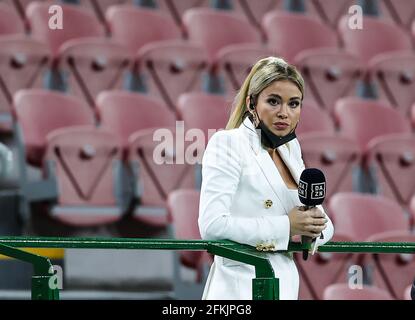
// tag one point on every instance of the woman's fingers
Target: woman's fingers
(314, 228)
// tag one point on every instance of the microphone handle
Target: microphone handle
(305, 239)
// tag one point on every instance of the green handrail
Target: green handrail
(265, 285)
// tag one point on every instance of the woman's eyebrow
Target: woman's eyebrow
(274, 95)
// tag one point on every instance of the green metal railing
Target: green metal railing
(265, 285)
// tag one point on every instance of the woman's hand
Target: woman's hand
(308, 223)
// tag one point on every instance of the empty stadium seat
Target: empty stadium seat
(330, 74)
(183, 211)
(234, 64)
(38, 112)
(328, 11)
(86, 164)
(203, 111)
(344, 292)
(93, 65)
(321, 270)
(309, 33)
(392, 161)
(176, 8)
(400, 12)
(22, 64)
(255, 11)
(215, 29)
(364, 119)
(134, 27)
(99, 7)
(170, 68)
(394, 77)
(160, 159)
(393, 272)
(338, 157)
(77, 23)
(361, 216)
(10, 22)
(123, 113)
(377, 36)
(314, 120)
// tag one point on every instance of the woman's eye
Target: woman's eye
(273, 101)
(294, 104)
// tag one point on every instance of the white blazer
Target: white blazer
(244, 199)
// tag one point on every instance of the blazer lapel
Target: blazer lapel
(291, 162)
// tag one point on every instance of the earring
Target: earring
(254, 118)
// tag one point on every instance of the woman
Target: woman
(250, 176)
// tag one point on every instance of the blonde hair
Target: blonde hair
(262, 74)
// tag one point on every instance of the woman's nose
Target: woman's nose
(283, 111)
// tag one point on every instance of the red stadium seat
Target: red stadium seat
(93, 65)
(393, 160)
(183, 210)
(123, 113)
(338, 157)
(377, 36)
(309, 33)
(39, 112)
(330, 74)
(161, 166)
(204, 111)
(255, 11)
(22, 64)
(314, 120)
(394, 77)
(134, 27)
(343, 292)
(321, 270)
(85, 162)
(363, 119)
(393, 272)
(99, 7)
(170, 69)
(176, 8)
(235, 62)
(328, 11)
(10, 22)
(363, 215)
(77, 23)
(400, 12)
(215, 29)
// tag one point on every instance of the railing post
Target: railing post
(41, 280)
(265, 289)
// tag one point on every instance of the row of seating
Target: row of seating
(329, 12)
(357, 217)
(85, 67)
(374, 144)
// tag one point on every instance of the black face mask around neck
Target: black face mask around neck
(271, 140)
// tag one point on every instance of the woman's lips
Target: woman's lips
(280, 125)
